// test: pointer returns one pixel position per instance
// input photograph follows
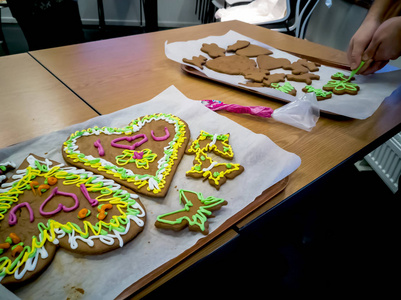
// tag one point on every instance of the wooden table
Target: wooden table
(33, 102)
(117, 73)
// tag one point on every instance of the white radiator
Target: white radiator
(386, 161)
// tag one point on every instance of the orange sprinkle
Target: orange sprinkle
(42, 186)
(17, 250)
(52, 180)
(4, 245)
(101, 215)
(15, 238)
(32, 184)
(82, 213)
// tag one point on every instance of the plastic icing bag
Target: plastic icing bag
(261, 111)
(302, 113)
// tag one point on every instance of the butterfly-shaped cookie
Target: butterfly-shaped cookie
(195, 213)
(216, 173)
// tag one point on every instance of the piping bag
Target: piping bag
(302, 113)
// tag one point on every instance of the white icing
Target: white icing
(210, 167)
(213, 141)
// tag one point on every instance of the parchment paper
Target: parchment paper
(374, 88)
(106, 276)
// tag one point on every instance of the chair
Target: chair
(296, 18)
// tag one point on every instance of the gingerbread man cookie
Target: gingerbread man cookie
(274, 78)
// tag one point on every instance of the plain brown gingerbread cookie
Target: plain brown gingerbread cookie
(238, 45)
(213, 50)
(198, 61)
(267, 62)
(232, 65)
(307, 77)
(253, 51)
(274, 78)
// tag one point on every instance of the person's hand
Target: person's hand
(384, 46)
(360, 41)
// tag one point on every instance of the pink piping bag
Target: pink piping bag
(302, 113)
(261, 111)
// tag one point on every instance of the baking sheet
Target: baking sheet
(374, 88)
(106, 276)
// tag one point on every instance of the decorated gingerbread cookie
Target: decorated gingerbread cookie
(320, 94)
(198, 61)
(4, 169)
(285, 88)
(46, 205)
(340, 87)
(216, 173)
(341, 76)
(216, 143)
(197, 209)
(213, 50)
(142, 156)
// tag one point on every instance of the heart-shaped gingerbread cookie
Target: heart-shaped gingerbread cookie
(142, 156)
(46, 205)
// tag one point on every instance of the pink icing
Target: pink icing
(12, 218)
(161, 138)
(129, 139)
(84, 191)
(99, 147)
(138, 155)
(60, 206)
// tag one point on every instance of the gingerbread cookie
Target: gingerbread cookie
(198, 61)
(256, 75)
(341, 76)
(320, 94)
(195, 213)
(311, 66)
(252, 84)
(339, 87)
(274, 78)
(253, 51)
(142, 156)
(5, 168)
(216, 173)
(232, 65)
(238, 45)
(285, 88)
(213, 50)
(307, 77)
(267, 62)
(216, 143)
(46, 205)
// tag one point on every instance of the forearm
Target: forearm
(382, 10)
